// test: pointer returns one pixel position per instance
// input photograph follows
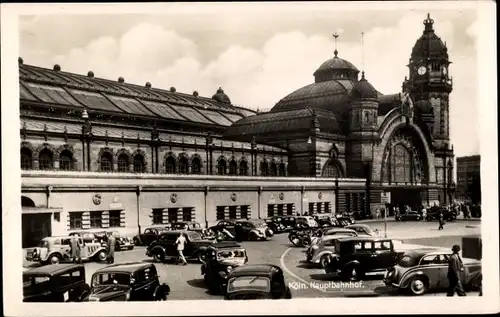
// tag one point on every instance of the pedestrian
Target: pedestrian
(181, 241)
(441, 220)
(424, 213)
(111, 248)
(377, 212)
(75, 250)
(454, 268)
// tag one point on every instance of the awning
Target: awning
(40, 210)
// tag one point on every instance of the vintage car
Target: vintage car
(258, 281)
(355, 256)
(408, 216)
(289, 222)
(433, 214)
(53, 250)
(165, 248)
(251, 229)
(121, 242)
(305, 222)
(151, 234)
(348, 217)
(55, 283)
(318, 252)
(275, 224)
(218, 261)
(326, 220)
(135, 281)
(187, 225)
(363, 230)
(423, 270)
(86, 236)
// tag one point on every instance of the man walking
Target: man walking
(111, 248)
(75, 250)
(454, 268)
(181, 241)
(441, 220)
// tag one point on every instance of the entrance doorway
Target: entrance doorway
(401, 197)
(35, 227)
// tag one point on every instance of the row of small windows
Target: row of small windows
(46, 161)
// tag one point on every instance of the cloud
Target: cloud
(259, 76)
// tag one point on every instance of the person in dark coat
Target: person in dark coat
(454, 268)
(75, 250)
(441, 220)
(111, 248)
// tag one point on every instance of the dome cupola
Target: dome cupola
(220, 96)
(336, 68)
(429, 45)
(363, 90)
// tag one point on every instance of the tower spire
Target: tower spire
(363, 51)
(335, 36)
(428, 23)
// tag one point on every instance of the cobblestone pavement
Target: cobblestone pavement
(186, 281)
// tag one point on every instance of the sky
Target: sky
(257, 53)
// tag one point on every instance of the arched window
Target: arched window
(400, 164)
(195, 166)
(221, 167)
(183, 165)
(233, 168)
(264, 169)
(123, 163)
(45, 160)
(273, 171)
(331, 169)
(170, 165)
(138, 163)
(66, 160)
(106, 162)
(26, 160)
(282, 170)
(243, 168)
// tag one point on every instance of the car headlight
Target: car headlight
(229, 268)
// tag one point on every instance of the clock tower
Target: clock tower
(430, 84)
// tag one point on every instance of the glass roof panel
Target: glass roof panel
(232, 117)
(94, 100)
(25, 94)
(216, 117)
(130, 105)
(163, 110)
(192, 114)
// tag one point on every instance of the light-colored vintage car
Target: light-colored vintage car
(53, 250)
(421, 270)
(363, 230)
(318, 252)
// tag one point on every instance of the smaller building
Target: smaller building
(469, 179)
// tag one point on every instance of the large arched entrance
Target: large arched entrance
(405, 169)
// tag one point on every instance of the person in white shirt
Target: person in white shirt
(181, 242)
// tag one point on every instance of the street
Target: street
(186, 282)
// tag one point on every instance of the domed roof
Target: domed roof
(363, 90)
(220, 96)
(429, 44)
(336, 68)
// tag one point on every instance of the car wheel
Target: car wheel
(102, 255)
(252, 236)
(160, 294)
(418, 286)
(158, 256)
(136, 241)
(323, 260)
(54, 259)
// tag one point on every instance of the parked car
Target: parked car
(333, 232)
(289, 222)
(187, 225)
(251, 229)
(423, 270)
(121, 242)
(53, 250)
(260, 281)
(55, 283)
(164, 248)
(363, 230)
(326, 220)
(86, 236)
(355, 256)
(305, 222)
(348, 217)
(318, 252)
(275, 224)
(151, 234)
(135, 281)
(218, 261)
(410, 215)
(433, 214)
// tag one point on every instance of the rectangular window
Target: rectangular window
(220, 213)
(114, 218)
(244, 212)
(270, 210)
(232, 212)
(280, 209)
(289, 209)
(187, 214)
(75, 220)
(172, 215)
(96, 219)
(158, 216)
(328, 207)
(311, 208)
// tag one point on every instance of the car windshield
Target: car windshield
(228, 254)
(257, 283)
(408, 261)
(103, 279)
(194, 236)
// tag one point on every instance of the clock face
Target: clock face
(422, 70)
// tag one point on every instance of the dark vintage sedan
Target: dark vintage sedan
(121, 242)
(135, 281)
(259, 281)
(218, 261)
(408, 216)
(165, 248)
(187, 225)
(151, 234)
(55, 283)
(426, 269)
